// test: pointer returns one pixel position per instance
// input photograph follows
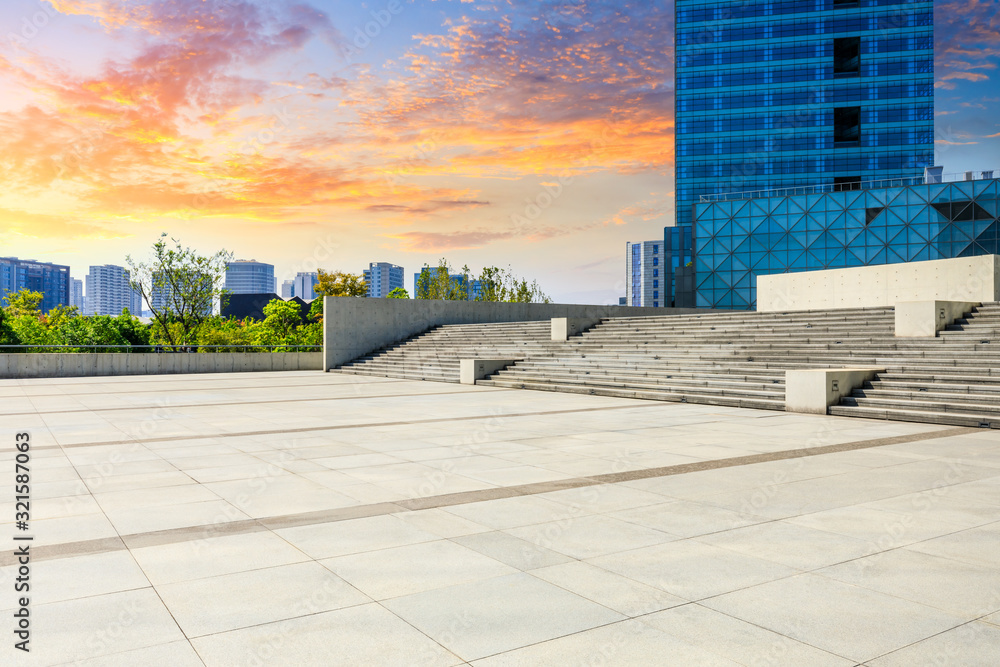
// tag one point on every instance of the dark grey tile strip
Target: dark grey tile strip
(313, 429)
(194, 533)
(191, 533)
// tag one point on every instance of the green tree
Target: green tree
(24, 303)
(181, 288)
(398, 293)
(338, 283)
(502, 285)
(7, 335)
(440, 283)
(281, 318)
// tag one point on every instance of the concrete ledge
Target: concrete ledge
(814, 391)
(962, 279)
(50, 365)
(563, 328)
(471, 370)
(924, 319)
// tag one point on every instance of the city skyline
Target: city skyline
(480, 132)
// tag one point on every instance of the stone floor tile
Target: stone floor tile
(242, 599)
(477, 619)
(363, 635)
(390, 573)
(849, 621)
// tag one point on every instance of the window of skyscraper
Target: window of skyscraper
(846, 57)
(846, 127)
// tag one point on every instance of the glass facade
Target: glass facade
(677, 253)
(781, 93)
(249, 277)
(740, 239)
(52, 280)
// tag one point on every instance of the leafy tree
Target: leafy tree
(24, 303)
(131, 329)
(60, 315)
(316, 310)
(398, 293)
(7, 335)
(180, 287)
(281, 318)
(338, 283)
(502, 285)
(30, 330)
(438, 283)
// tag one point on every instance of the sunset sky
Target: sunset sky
(535, 134)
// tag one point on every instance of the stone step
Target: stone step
(704, 386)
(730, 401)
(902, 414)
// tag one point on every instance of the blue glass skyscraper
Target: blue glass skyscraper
(786, 93)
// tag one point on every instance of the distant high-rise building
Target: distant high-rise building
(109, 292)
(304, 284)
(287, 289)
(381, 278)
(248, 276)
(52, 280)
(644, 284)
(76, 294)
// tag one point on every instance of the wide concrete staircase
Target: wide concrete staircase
(435, 354)
(734, 359)
(957, 382)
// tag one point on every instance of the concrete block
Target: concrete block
(814, 391)
(919, 319)
(563, 328)
(471, 370)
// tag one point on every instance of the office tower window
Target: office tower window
(846, 127)
(846, 57)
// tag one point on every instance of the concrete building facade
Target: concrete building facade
(76, 297)
(109, 292)
(382, 277)
(303, 286)
(642, 274)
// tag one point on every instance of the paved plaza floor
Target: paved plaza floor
(325, 519)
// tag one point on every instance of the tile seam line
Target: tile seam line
(238, 402)
(338, 427)
(188, 389)
(243, 526)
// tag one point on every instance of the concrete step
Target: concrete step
(944, 418)
(731, 401)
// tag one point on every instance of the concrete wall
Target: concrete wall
(42, 365)
(972, 279)
(354, 327)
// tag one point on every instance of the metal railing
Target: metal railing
(156, 349)
(859, 185)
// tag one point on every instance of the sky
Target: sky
(531, 134)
